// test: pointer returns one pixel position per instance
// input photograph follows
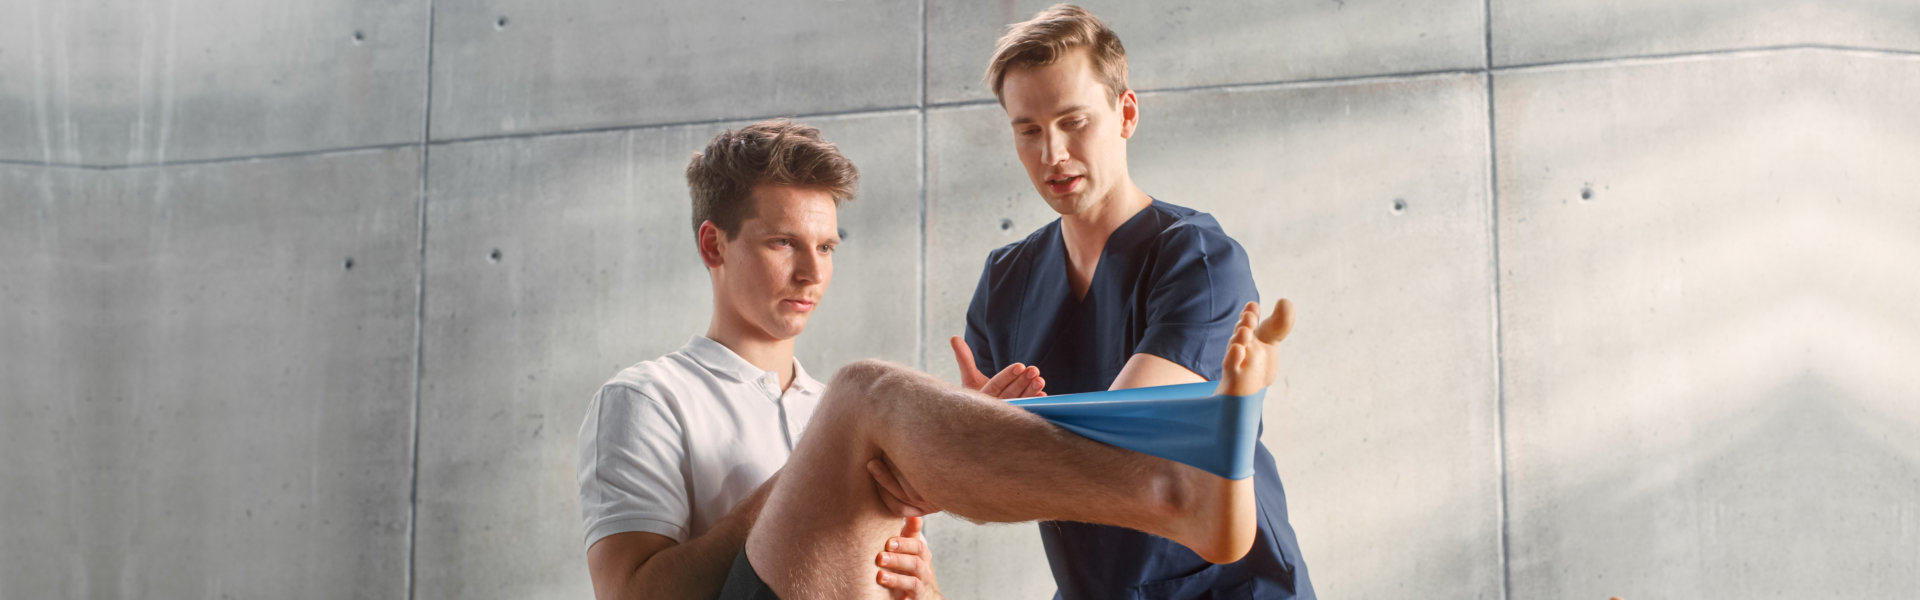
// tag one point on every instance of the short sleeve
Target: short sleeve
(1200, 280)
(632, 467)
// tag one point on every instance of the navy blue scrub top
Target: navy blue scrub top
(1169, 283)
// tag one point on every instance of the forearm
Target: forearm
(697, 567)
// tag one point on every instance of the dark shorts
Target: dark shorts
(744, 584)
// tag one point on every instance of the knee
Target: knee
(861, 375)
(853, 386)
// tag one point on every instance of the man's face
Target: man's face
(1070, 136)
(772, 275)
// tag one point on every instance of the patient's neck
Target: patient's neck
(766, 352)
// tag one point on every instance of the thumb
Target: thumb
(912, 527)
(970, 375)
(1278, 325)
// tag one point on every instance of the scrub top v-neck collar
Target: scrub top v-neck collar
(1128, 236)
(1049, 286)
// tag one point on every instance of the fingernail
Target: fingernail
(893, 546)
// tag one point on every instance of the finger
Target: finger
(1023, 387)
(901, 508)
(1237, 357)
(912, 527)
(1244, 336)
(900, 586)
(904, 564)
(912, 496)
(904, 488)
(1001, 380)
(893, 491)
(1250, 315)
(884, 476)
(906, 545)
(1034, 387)
(970, 375)
(1277, 326)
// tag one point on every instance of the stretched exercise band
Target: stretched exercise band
(1187, 423)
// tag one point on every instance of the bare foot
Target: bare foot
(1221, 523)
(1251, 363)
(1217, 521)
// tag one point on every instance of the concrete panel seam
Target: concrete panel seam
(1499, 351)
(420, 310)
(1741, 52)
(1307, 84)
(923, 57)
(1257, 86)
(920, 305)
(873, 112)
(50, 165)
(924, 105)
(325, 152)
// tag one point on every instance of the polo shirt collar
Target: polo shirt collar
(722, 360)
(803, 382)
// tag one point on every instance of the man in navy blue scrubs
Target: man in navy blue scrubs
(1122, 291)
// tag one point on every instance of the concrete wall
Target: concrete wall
(1598, 298)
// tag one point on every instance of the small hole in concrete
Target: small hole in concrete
(349, 263)
(494, 255)
(359, 36)
(843, 235)
(1586, 192)
(1006, 224)
(500, 23)
(1399, 205)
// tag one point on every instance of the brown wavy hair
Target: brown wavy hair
(779, 152)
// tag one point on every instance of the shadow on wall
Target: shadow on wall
(1795, 496)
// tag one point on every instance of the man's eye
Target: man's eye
(783, 242)
(1076, 123)
(826, 249)
(1030, 132)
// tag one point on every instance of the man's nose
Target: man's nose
(806, 269)
(1054, 151)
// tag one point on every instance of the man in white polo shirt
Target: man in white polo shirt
(676, 453)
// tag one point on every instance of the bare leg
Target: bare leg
(984, 460)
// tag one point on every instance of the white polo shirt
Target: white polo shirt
(670, 445)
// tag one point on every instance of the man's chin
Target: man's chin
(1064, 205)
(792, 329)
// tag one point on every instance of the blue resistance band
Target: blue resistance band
(1187, 423)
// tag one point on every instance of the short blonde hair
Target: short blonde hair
(1049, 36)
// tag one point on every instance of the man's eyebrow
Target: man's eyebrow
(1071, 109)
(796, 235)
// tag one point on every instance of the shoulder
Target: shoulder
(1024, 250)
(1008, 265)
(662, 381)
(1190, 233)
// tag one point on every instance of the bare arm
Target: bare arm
(636, 565)
(1147, 370)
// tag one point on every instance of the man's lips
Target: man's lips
(798, 304)
(1063, 184)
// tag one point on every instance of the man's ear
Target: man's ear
(709, 239)
(1129, 113)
